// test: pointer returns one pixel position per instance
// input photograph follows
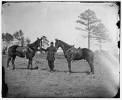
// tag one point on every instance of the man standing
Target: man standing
(50, 55)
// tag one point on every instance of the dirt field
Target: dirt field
(42, 83)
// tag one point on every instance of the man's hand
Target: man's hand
(42, 49)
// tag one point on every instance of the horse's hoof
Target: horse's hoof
(14, 69)
(88, 73)
(68, 72)
(92, 76)
(36, 67)
(91, 73)
(51, 71)
(30, 68)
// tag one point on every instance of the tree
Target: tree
(28, 41)
(3, 36)
(100, 34)
(22, 41)
(45, 41)
(88, 19)
(19, 35)
(6, 38)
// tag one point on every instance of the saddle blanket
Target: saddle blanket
(21, 48)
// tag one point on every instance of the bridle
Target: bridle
(69, 48)
(29, 48)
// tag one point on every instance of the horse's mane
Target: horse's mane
(33, 43)
(65, 43)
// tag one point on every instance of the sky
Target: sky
(58, 20)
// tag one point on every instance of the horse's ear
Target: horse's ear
(37, 38)
(56, 39)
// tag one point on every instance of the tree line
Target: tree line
(95, 29)
(16, 38)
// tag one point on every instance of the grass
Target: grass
(41, 82)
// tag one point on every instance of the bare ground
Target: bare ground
(42, 83)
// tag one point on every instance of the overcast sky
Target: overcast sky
(58, 20)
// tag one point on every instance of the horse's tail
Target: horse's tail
(12, 49)
(93, 56)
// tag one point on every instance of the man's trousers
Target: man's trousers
(51, 65)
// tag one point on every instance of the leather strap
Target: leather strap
(29, 48)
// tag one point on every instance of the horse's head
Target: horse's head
(57, 43)
(38, 42)
(63, 45)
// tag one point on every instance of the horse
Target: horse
(71, 54)
(24, 52)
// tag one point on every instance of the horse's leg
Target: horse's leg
(69, 65)
(9, 59)
(91, 66)
(13, 59)
(31, 63)
(28, 64)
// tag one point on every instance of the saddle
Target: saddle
(75, 53)
(21, 49)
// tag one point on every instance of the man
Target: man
(50, 55)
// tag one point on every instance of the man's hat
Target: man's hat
(51, 43)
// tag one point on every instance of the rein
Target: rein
(69, 49)
(29, 48)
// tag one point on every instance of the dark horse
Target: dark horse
(29, 53)
(71, 54)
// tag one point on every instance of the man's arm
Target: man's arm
(55, 50)
(45, 49)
